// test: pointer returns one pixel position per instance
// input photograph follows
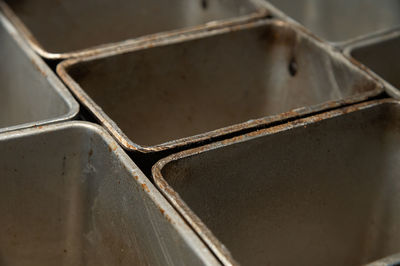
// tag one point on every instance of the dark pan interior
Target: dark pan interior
(322, 194)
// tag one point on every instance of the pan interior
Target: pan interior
(323, 194)
(179, 90)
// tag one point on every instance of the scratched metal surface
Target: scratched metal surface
(69, 195)
(317, 191)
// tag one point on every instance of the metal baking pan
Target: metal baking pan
(381, 54)
(184, 90)
(69, 195)
(340, 21)
(30, 93)
(321, 190)
(62, 29)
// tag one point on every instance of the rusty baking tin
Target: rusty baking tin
(65, 29)
(181, 91)
(323, 190)
(69, 195)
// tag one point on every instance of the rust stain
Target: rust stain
(289, 114)
(170, 191)
(145, 188)
(38, 68)
(112, 148)
(234, 139)
(168, 218)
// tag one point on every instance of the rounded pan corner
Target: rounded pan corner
(55, 84)
(370, 40)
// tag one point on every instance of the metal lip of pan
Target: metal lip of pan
(340, 43)
(45, 73)
(195, 221)
(141, 196)
(298, 32)
(371, 41)
(259, 12)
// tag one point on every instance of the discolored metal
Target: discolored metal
(184, 90)
(321, 190)
(30, 93)
(64, 29)
(340, 21)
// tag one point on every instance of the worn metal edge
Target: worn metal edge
(260, 12)
(130, 145)
(202, 230)
(169, 213)
(47, 73)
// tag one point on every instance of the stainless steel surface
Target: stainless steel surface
(61, 29)
(317, 191)
(69, 195)
(381, 53)
(30, 93)
(339, 21)
(184, 90)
